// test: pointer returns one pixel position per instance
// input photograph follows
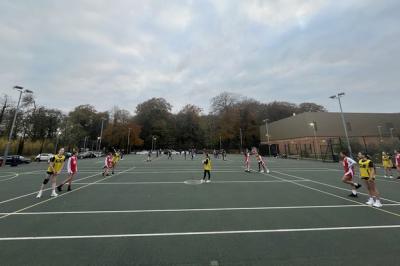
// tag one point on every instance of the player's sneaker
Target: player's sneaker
(377, 204)
(391, 177)
(353, 195)
(384, 176)
(208, 181)
(59, 188)
(370, 201)
(262, 171)
(69, 189)
(358, 186)
(53, 194)
(39, 195)
(267, 171)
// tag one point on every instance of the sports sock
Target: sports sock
(354, 191)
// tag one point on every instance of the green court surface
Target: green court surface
(156, 214)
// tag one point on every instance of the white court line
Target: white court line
(284, 230)
(328, 193)
(174, 172)
(35, 192)
(199, 210)
(183, 182)
(50, 199)
(13, 175)
(332, 186)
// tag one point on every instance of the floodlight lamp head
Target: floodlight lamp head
(333, 97)
(341, 94)
(28, 91)
(18, 87)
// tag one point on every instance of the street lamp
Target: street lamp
(314, 126)
(101, 131)
(153, 144)
(57, 139)
(380, 133)
(21, 91)
(128, 150)
(338, 96)
(391, 133)
(241, 140)
(267, 135)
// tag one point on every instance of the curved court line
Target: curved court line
(283, 230)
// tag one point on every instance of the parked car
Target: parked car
(142, 152)
(86, 154)
(15, 159)
(43, 157)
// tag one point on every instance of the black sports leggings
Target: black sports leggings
(207, 172)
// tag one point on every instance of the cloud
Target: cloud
(123, 52)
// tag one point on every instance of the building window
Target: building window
(348, 125)
(389, 126)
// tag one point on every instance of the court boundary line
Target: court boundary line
(332, 186)
(334, 195)
(232, 232)
(197, 210)
(183, 182)
(33, 193)
(61, 195)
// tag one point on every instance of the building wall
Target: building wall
(330, 125)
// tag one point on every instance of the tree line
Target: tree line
(39, 129)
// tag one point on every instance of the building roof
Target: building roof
(330, 125)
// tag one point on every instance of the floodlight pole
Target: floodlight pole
(241, 140)
(127, 146)
(380, 133)
(220, 143)
(21, 91)
(314, 125)
(267, 129)
(338, 96)
(101, 132)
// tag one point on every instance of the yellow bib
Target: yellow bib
(58, 162)
(207, 166)
(365, 170)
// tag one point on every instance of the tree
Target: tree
(310, 107)
(223, 101)
(189, 132)
(155, 117)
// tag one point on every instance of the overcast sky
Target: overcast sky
(122, 52)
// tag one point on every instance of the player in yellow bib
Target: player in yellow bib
(367, 173)
(207, 169)
(115, 159)
(56, 164)
(387, 165)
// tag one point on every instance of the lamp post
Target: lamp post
(391, 133)
(21, 91)
(84, 144)
(314, 126)
(128, 150)
(241, 140)
(380, 133)
(101, 132)
(338, 96)
(267, 135)
(57, 139)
